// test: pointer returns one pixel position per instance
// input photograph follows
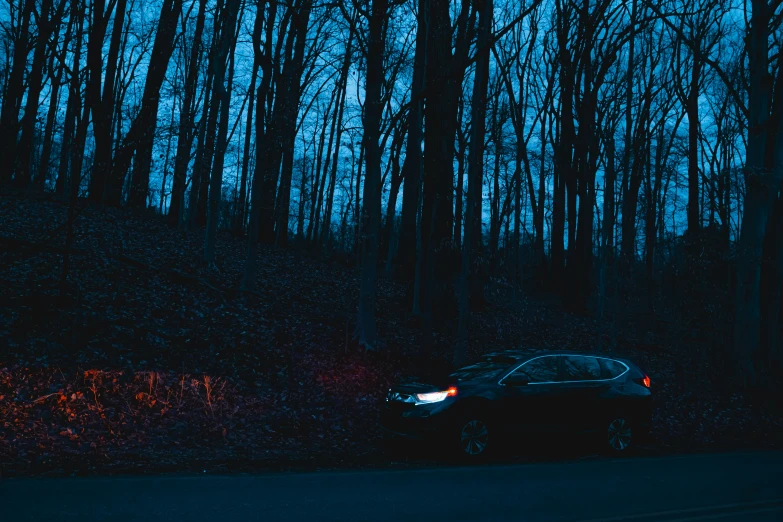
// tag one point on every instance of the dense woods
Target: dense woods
(626, 157)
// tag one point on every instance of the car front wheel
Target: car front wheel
(474, 437)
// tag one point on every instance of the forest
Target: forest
(621, 159)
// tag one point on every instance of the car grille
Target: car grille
(393, 396)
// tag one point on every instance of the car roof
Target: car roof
(521, 354)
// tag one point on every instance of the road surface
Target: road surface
(727, 487)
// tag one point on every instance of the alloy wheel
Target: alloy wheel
(474, 437)
(619, 434)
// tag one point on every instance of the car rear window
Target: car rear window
(581, 368)
(611, 368)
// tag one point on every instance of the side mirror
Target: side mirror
(515, 380)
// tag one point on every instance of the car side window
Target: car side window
(581, 368)
(540, 369)
(611, 368)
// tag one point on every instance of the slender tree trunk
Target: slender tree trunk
(358, 203)
(51, 116)
(324, 196)
(327, 223)
(196, 185)
(319, 181)
(283, 204)
(539, 215)
(207, 158)
(495, 215)
(222, 93)
(458, 200)
(176, 215)
(143, 127)
(302, 196)
(72, 108)
(102, 104)
(692, 108)
(14, 91)
(653, 189)
(475, 175)
(273, 148)
(610, 177)
(23, 175)
(394, 189)
(629, 199)
(411, 167)
(254, 223)
(239, 222)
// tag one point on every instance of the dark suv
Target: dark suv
(515, 393)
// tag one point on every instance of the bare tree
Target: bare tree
(143, 128)
(185, 134)
(222, 99)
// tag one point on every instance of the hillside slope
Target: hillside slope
(148, 360)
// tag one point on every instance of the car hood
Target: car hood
(431, 385)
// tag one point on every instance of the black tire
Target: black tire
(618, 435)
(474, 439)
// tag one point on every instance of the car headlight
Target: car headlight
(438, 396)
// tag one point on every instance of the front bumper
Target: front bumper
(421, 422)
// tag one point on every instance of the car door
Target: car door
(528, 399)
(583, 389)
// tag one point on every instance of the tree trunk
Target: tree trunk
(239, 219)
(293, 81)
(143, 127)
(222, 97)
(539, 215)
(411, 167)
(371, 213)
(439, 135)
(394, 189)
(475, 174)
(629, 211)
(196, 184)
(692, 108)
(254, 224)
(302, 197)
(102, 104)
(342, 95)
(51, 116)
(272, 153)
(207, 158)
(24, 158)
(762, 182)
(357, 203)
(319, 181)
(72, 108)
(176, 215)
(462, 145)
(14, 91)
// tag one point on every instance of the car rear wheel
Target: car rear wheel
(619, 434)
(474, 437)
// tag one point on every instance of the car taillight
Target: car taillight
(644, 380)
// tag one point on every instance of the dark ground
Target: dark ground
(729, 487)
(150, 362)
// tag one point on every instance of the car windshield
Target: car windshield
(487, 366)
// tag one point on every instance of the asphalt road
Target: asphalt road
(728, 487)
